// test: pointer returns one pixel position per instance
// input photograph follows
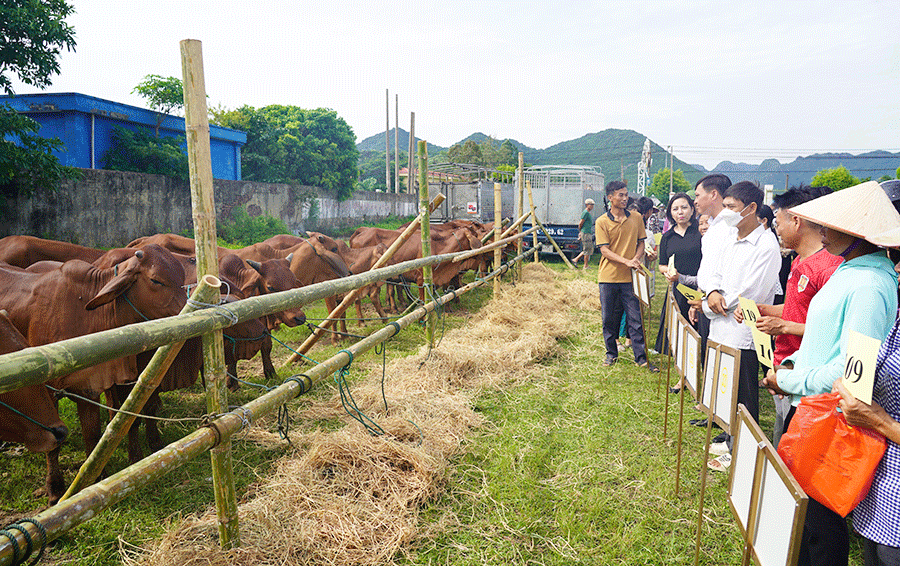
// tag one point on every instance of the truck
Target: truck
(559, 192)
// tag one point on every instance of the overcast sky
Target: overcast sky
(759, 79)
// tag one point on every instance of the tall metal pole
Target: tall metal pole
(426, 238)
(521, 206)
(410, 169)
(534, 221)
(204, 212)
(387, 141)
(498, 215)
(396, 143)
(671, 171)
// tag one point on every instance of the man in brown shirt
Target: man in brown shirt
(620, 236)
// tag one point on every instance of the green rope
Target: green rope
(24, 416)
(349, 403)
(43, 532)
(14, 543)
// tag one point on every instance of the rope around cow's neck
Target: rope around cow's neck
(24, 416)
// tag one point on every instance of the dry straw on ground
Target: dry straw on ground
(347, 497)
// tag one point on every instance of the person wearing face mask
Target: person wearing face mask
(861, 295)
(748, 268)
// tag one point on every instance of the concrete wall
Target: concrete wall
(111, 208)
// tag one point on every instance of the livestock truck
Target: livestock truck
(559, 192)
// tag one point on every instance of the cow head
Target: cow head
(152, 280)
(275, 276)
(327, 251)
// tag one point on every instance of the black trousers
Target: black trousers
(614, 299)
(826, 539)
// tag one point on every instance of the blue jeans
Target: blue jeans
(616, 298)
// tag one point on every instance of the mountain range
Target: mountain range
(614, 150)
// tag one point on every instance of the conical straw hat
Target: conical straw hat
(889, 239)
(864, 211)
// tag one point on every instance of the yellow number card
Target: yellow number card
(691, 294)
(761, 340)
(859, 369)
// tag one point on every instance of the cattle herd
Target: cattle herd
(51, 291)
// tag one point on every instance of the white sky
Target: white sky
(790, 77)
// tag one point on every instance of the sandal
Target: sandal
(650, 367)
(720, 464)
(609, 361)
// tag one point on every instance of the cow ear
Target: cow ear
(117, 285)
(304, 234)
(255, 265)
(290, 257)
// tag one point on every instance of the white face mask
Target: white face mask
(732, 218)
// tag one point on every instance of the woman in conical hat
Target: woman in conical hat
(861, 295)
(875, 518)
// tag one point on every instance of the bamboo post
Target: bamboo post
(521, 204)
(91, 501)
(204, 213)
(498, 214)
(534, 240)
(207, 292)
(425, 220)
(356, 292)
(410, 167)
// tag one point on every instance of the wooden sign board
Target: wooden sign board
(640, 284)
(767, 503)
(691, 340)
(720, 383)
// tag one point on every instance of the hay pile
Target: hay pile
(353, 498)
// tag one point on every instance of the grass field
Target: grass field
(568, 468)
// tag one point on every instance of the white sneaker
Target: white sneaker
(719, 448)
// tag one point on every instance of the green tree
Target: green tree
(141, 152)
(469, 152)
(837, 178)
(33, 34)
(163, 94)
(508, 154)
(287, 144)
(659, 188)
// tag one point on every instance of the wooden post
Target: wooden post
(410, 168)
(498, 214)
(204, 213)
(521, 204)
(534, 242)
(426, 237)
(207, 292)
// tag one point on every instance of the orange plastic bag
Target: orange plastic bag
(832, 461)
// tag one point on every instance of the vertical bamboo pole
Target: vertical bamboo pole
(426, 238)
(498, 214)
(521, 204)
(204, 214)
(410, 156)
(534, 241)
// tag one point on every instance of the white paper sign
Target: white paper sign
(859, 367)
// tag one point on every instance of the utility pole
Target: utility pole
(410, 177)
(387, 141)
(621, 169)
(396, 143)
(671, 171)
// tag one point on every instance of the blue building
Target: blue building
(85, 124)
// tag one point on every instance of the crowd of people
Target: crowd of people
(818, 264)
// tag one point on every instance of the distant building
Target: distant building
(85, 125)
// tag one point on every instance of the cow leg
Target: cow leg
(89, 417)
(359, 313)
(330, 304)
(154, 439)
(54, 484)
(115, 396)
(375, 298)
(265, 354)
(232, 383)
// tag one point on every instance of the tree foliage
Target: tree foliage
(837, 178)
(488, 153)
(34, 34)
(287, 144)
(659, 188)
(139, 151)
(371, 166)
(26, 163)
(163, 94)
(244, 230)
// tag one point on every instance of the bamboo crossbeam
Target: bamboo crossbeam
(515, 225)
(490, 234)
(42, 363)
(351, 298)
(534, 240)
(207, 292)
(521, 174)
(499, 244)
(91, 501)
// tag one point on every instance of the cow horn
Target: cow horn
(254, 264)
(304, 234)
(290, 257)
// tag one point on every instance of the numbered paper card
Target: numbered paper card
(859, 369)
(658, 238)
(671, 263)
(691, 294)
(761, 340)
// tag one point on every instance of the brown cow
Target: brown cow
(23, 251)
(29, 415)
(79, 298)
(316, 260)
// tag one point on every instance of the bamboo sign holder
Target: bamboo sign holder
(765, 499)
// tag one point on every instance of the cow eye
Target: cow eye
(156, 282)
(270, 288)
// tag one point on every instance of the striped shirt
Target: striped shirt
(877, 517)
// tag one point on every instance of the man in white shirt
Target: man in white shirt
(748, 267)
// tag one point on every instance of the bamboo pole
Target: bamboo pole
(552, 242)
(91, 501)
(515, 225)
(204, 212)
(207, 292)
(534, 240)
(425, 221)
(490, 235)
(521, 204)
(498, 214)
(351, 298)
(396, 145)
(387, 140)
(496, 244)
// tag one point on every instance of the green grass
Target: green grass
(569, 469)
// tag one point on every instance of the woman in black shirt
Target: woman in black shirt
(683, 241)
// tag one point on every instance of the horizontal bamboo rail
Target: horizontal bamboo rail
(92, 500)
(497, 244)
(41, 363)
(490, 234)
